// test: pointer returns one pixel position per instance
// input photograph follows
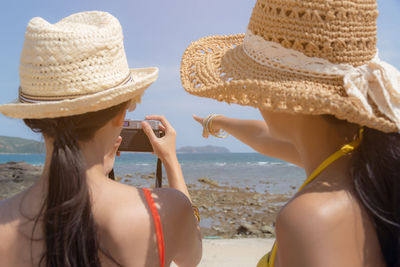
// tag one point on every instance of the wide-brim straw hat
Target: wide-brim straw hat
(75, 66)
(309, 57)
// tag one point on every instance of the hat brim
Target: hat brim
(141, 79)
(217, 67)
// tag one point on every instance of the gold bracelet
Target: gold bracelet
(196, 212)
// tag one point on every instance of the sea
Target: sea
(251, 171)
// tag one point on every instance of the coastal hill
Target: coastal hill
(20, 145)
(203, 149)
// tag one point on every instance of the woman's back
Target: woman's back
(124, 222)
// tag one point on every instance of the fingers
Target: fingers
(198, 119)
(165, 126)
(117, 143)
(162, 128)
(205, 134)
(149, 131)
(160, 118)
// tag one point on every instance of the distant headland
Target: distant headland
(20, 145)
(203, 149)
(17, 145)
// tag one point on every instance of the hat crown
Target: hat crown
(79, 55)
(339, 31)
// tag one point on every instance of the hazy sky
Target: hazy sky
(156, 34)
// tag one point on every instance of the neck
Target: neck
(93, 153)
(318, 138)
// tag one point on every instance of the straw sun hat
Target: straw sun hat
(75, 66)
(309, 56)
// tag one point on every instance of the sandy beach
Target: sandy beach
(234, 252)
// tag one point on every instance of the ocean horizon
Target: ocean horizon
(252, 171)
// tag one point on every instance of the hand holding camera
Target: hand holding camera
(164, 147)
(156, 135)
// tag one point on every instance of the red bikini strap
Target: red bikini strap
(157, 223)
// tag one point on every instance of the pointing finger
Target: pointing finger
(198, 119)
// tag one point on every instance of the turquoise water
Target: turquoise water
(34, 159)
(252, 170)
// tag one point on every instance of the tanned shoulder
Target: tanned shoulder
(318, 229)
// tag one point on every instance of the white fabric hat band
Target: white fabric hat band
(377, 79)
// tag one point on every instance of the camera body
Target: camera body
(133, 137)
(135, 140)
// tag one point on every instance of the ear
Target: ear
(118, 120)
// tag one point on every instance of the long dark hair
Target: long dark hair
(69, 228)
(376, 175)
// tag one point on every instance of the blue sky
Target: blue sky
(156, 34)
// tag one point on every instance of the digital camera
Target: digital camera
(133, 137)
(135, 140)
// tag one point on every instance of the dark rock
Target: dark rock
(17, 176)
(266, 229)
(246, 228)
(208, 181)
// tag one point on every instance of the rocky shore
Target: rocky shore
(16, 176)
(226, 211)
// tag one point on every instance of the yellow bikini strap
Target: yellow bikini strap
(346, 149)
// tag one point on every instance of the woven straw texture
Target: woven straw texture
(339, 31)
(74, 66)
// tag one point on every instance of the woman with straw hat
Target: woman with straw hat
(330, 106)
(75, 89)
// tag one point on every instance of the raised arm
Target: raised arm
(165, 148)
(182, 234)
(255, 134)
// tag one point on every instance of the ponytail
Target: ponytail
(70, 231)
(376, 176)
(69, 227)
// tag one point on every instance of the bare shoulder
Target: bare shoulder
(127, 224)
(123, 222)
(9, 229)
(318, 227)
(319, 209)
(126, 203)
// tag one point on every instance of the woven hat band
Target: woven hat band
(25, 98)
(376, 79)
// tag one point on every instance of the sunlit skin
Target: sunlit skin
(324, 224)
(125, 227)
